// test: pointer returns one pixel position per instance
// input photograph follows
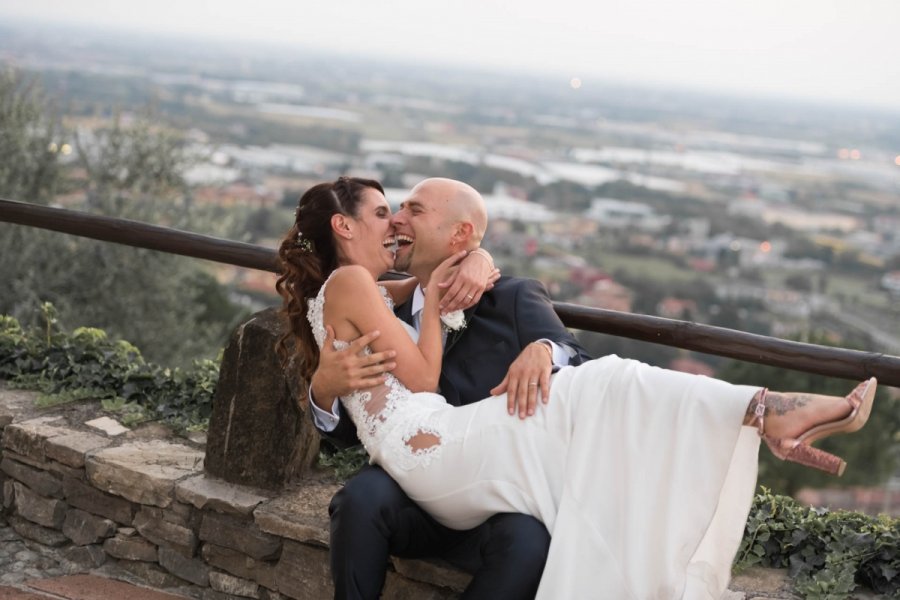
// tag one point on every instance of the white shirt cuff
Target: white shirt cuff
(324, 420)
(561, 354)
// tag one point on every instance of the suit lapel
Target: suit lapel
(404, 312)
(453, 336)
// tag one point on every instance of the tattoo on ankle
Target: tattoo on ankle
(781, 404)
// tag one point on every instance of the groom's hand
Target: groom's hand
(528, 376)
(341, 372)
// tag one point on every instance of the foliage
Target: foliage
(871, 454)
(87, 364)
(29, 166)
(168, 305)
(828, 553)
(346, 462)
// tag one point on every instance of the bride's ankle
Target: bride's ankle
(791, 413)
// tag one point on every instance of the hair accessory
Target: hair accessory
(303, 243)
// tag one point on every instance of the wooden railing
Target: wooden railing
(798, 356)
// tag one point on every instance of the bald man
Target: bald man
(511, 343)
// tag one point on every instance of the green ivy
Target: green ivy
(828, 553)
(86, 364)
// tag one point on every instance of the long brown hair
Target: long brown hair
(307, 256)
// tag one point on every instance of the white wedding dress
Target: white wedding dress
(644, 477)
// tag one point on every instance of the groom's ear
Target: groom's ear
(462, 232)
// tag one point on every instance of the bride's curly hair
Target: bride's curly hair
(307, 256)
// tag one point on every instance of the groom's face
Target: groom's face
(423, 231)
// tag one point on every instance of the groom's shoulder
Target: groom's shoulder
(511, 286)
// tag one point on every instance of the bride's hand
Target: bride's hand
(441, 274)
(466, 283)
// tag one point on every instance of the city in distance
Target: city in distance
(766, 215)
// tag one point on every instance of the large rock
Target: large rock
(96, 502)
(84, 528)
(130, 548)
(240, 565)
(220, 496)
(40, 481)
(37, 509)
(302, 573)
(239, 534)
(32, 531)
(259, 432)
(300, 514)
(143, 472)
(70, 448)
(155, 528)
(29, 437)
(190, 569)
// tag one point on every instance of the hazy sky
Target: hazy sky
(846, 50)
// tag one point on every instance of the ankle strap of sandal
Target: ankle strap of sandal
(759, 411)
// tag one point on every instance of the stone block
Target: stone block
(28, 437)
(92, 500)
(189, 569)
(145, 471)
(107, 426)
(240, 565)
(235, 586)
(300, 514)
(182, 514)
(40, 481)
(206, 492)
(40, 510)
(239, 534)
(259, 433)
(51, 466)
(89, 557)
(32, 531)
(70, 449)
(302, 572)
(761, 581)
(130, 548)
(150, 574)
(397, 587)
(84, 528)
(9, 494)
(434, 572)
(163, 533)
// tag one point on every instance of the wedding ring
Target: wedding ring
(532, 383)
(469, 296)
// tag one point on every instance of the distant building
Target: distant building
(676, 308)
(618, 214)
(891, 282)
(607, 294)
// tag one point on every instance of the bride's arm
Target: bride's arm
(353, 298)
(463, 286)
(400, 289)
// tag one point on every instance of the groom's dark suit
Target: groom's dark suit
(371, 517)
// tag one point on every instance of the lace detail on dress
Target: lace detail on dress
(395, 425)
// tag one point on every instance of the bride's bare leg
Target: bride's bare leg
(789, 414)
(790, 422)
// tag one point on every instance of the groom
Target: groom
(511, 342)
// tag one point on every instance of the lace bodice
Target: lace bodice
(393, 423)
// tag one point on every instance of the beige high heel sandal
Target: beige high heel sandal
(800, 451)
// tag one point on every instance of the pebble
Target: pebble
(22, 559)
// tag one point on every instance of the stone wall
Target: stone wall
(131, 503)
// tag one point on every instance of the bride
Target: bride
(643, 476)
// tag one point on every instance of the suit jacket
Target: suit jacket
(513, 314)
